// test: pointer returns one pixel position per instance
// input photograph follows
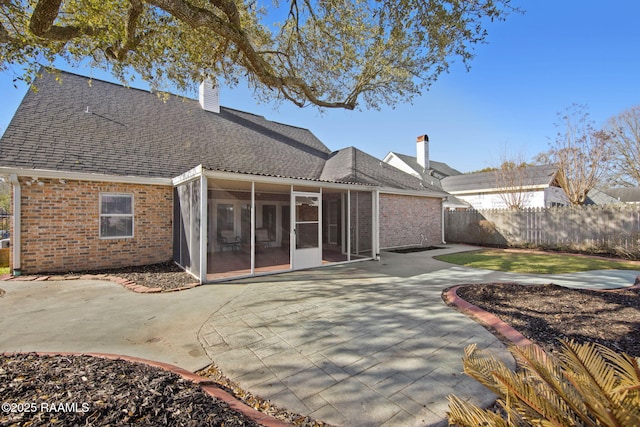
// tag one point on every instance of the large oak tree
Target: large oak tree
(330, 53)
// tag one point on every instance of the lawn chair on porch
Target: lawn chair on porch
(262, 238)
(227, 239)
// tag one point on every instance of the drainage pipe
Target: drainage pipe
(443, 209)
(15, 237)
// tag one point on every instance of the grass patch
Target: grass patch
(535, 263)
(4, 270)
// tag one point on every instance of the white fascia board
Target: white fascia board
(238, 176)
(83, 176)
(388, 157)
(189, 175)
(432, 194)
(500, 190)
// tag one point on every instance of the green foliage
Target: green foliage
(5, 195)
(587, 385)
(335, 53)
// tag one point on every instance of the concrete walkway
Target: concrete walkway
(100, 316)
(364, 344)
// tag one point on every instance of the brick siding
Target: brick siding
(404, 220)
(60, 226)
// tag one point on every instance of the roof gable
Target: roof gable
(353, 165)
(436, 170)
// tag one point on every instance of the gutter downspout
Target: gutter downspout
(17, 219)
(443, 200)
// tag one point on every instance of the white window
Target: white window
(116, 215)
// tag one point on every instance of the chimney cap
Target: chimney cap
(422, 138)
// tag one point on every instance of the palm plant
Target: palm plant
(586, 385)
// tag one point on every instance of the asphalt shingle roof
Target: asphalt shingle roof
(86, 125)
(438, 169)
(626, 195)
(353, 165)
(94, 126)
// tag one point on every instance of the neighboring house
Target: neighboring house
(106, 176)
(430, 172)
(537, 188)
(624, 195)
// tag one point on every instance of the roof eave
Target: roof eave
(83, 176)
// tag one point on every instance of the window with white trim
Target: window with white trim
(116, 215)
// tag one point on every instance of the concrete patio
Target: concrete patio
(364, 344)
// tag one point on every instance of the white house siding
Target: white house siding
(409, 221)
(555, 196)
(396, 162)
(532, 199)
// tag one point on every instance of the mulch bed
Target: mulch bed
(166, 276)
(548, 313)
(87, 391)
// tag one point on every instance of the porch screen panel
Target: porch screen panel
(273, 219)
(178, 232)
(334, 241)
(186, 227)
(194, 241)
(361, 224)
(229, 214)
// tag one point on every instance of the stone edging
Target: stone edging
(132, 286)
(205, 384)
(485, 318)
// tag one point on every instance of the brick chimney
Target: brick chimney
(423, 151)
(209, 96)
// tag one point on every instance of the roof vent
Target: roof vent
(209, 96)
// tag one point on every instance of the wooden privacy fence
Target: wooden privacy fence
(613, 229)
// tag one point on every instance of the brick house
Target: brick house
(106, 176)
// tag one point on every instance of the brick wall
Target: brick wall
(60, 226)
(404, 220)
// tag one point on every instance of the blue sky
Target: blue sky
(535, 65)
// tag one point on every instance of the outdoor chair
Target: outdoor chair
(226, 239)
(262, 238)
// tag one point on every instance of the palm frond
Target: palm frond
(588, 386)
(465, 414)
(597, 378)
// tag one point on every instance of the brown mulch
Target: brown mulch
(547, 313)
(87, 391)
(167, 275)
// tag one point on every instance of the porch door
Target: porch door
(306, 229)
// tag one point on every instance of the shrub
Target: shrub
(586, 385)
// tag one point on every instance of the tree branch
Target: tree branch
(135, 10)
(197, 17)
(41, 23)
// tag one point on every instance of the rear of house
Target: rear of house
(106, 176)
